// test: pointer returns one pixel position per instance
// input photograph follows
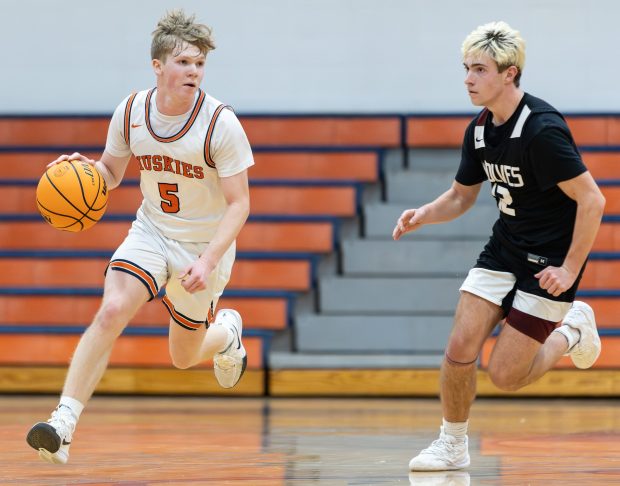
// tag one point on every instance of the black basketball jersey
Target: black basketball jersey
(524, 159)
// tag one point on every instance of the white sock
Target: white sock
(572, 335)
(74, 405)
(456, 429)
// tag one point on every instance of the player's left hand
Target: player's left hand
(194, 277)
(555, 280)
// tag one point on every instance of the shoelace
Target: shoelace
(439, 446)
(63, 421)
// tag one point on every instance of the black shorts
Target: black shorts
(505, 277)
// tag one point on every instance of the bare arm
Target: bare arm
(590, 205)
(111, 168)
(237, 194)
(450, 205)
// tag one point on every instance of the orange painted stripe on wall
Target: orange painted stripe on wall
(276, 131)
(601, 274)
(107, 235)
(53, 131)
(356, 166)
(323, 131)
(336, 201)
(258, 313)
(606, 310)
(607, 238)
(436, 132)
(271, 274)
(589, 130)
(303, 237)
(602, 165)
(360, 166)
(55, 349)
(88, 272)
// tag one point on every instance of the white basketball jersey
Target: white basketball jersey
(181, 160)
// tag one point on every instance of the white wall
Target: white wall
(288, 56)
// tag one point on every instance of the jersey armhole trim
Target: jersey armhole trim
(207, 148)
(126, 124)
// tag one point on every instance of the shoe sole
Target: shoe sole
(244, 363)
(43, 436)
(453, 467)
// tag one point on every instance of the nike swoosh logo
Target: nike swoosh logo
(133, 125)
(238, 339)
(64, 442)
(477, 139)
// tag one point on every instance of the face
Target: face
(485, 84)
(182, 72)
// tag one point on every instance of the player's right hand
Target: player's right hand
(410, 220)
(73, 156)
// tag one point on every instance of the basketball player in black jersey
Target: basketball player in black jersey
(527, 275)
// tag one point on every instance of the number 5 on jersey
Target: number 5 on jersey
(169, 199)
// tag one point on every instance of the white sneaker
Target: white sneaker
(445, 454)
(588, 348)
(53, 438)
(439, 478)
(230, 364)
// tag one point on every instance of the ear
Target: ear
(157, 66)
(511, 74)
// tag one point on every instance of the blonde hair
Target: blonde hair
(500, 42)
(174, 29)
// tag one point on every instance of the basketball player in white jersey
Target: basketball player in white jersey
(527, 275)
(193, 157)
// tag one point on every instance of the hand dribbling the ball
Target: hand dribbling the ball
(73, 156)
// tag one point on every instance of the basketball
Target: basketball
(72, 196)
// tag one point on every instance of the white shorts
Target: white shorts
(157, 261)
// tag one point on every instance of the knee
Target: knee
(504, 379)
(181, 363)
(112, 317)
(460, 350)
(182, 360)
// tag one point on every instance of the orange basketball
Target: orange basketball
(72, 196)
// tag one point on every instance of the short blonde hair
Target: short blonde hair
(500, 42)
(176, 28)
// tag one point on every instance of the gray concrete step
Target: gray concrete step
(416, 187)
(380, 219)
(409, 257)
(373, 334)
(388, 296)
(435, 159)
(283, 360)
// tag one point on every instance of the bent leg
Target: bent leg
(123, 295)
(526, 347)
(518, 360)
(190, 347)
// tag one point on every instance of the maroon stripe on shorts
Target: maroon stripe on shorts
(530, 325)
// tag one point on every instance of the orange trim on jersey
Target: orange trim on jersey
(207, 150)
(180, 319)
(128, 117)
(186, 127)
(141, 274)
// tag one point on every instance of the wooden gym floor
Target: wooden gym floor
(279, 441)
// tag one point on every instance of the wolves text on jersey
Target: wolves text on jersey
(159, 163)
(503, 173)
